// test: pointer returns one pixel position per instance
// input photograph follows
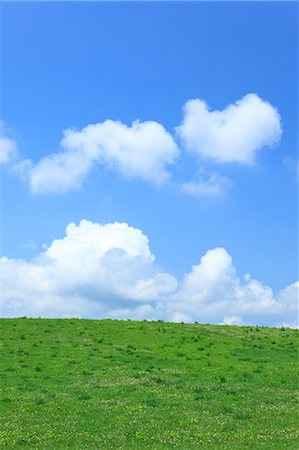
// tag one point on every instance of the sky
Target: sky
(148, 161)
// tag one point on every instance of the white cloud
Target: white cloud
(108, 270)
(141, 151)
(289, 297)
(8, 147)
(232, 135)
(145, 150)
(92, 269)
(212, 185)
(232, 320)
(213, 292)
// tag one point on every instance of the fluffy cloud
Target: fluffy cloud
(213, 292)
(8, 146)
(232, 135)
(140, 151)
(289, 298)
(210, 185)
(92, 269)
(145, 150)
(108, 270)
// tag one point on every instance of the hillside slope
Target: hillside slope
(84, 384)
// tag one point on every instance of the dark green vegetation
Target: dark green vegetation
(80, 384)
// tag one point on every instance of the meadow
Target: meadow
(87, 384)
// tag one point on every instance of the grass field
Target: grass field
(83, 384)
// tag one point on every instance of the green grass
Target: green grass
(82, 384)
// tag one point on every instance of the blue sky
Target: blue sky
(69, 65)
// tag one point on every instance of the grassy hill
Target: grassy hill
(83, 384)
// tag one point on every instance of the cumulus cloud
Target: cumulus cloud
(142, 151)
(92, 269)
(8, 146)
(213, 292)
(212, 185)
(98, 271)
(146, 150)
(289, 298)
(235, 134)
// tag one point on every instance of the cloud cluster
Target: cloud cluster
(214, 288)
(146, 151)
(8, 147)
(94, 267)
(143, 151)
(232, 135)
(99, 271)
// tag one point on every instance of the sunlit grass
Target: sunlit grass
(80, 384)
